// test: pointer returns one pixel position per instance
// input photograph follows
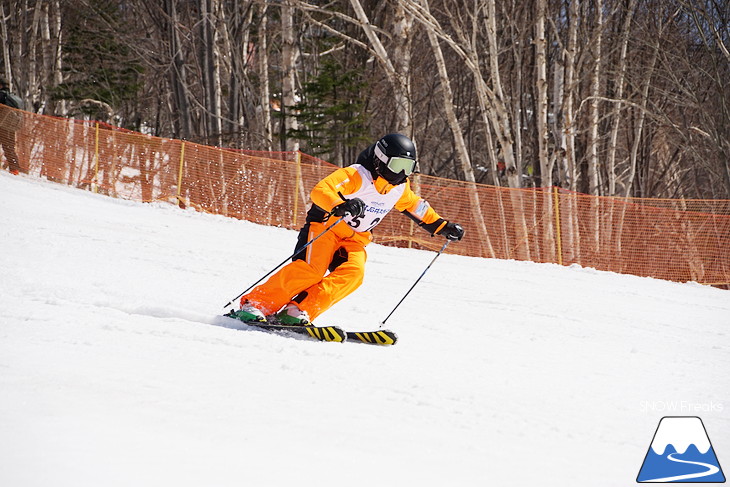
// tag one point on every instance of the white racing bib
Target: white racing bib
(376, 205)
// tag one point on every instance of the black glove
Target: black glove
(452, 231)
(354, 207)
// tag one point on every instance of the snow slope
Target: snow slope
(115, 369)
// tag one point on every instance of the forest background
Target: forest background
(604, 97)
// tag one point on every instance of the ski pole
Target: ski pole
(414, 284)
(285, 260)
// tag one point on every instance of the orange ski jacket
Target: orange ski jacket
(379, 196)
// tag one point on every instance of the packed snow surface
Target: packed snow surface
(116, 369)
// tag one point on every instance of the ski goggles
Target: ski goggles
(396, 164)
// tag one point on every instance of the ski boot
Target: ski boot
(248, 313)
(291, 315)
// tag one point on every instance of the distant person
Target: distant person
(352, 200)
(10, 122)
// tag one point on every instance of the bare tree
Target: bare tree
(546, 170)
(263, 68)
(395, 67)
(594, 114)
(571, 83)
(289, 61)
(7, 71)
(178, 73)
(456, 131)
(606, 97)
(210, 72)
(618, 106)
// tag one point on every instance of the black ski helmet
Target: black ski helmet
(395, 158)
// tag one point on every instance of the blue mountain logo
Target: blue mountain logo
(681, 452)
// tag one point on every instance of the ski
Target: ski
(321, 333)
(379, 337)
(324, 333)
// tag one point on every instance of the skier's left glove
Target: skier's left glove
(355, 207)
(452, 231)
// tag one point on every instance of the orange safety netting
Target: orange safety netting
(679, 240)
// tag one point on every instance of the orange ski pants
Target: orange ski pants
(307, 280)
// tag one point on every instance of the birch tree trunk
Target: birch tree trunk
(210, 72)
(617, 106)
(397, 79)
(217, 95)
(546, 171)
(402, 34)
(19, 46)
(593, 162)
(265, 95)
(501, 124)
(569, 122)
(47, 59)
(59, 107)
(518, 114)
(51, 75)
(34, 82)
(594, 186)
(8, 73)
(558, 87)
(461, 150)
(493, 108)
(646, 84)
(178, 74)
(498, 107)
(230, 23)
(289, 61)
(570, 165)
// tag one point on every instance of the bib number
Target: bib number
(356, 222)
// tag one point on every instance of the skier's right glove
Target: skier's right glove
(452, 231)
(355, 207)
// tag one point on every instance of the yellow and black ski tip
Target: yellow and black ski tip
(321, 333)
(379, 337)
(326, 333)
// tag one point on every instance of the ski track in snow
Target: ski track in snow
(115, 368)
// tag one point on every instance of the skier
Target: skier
(363, 194)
